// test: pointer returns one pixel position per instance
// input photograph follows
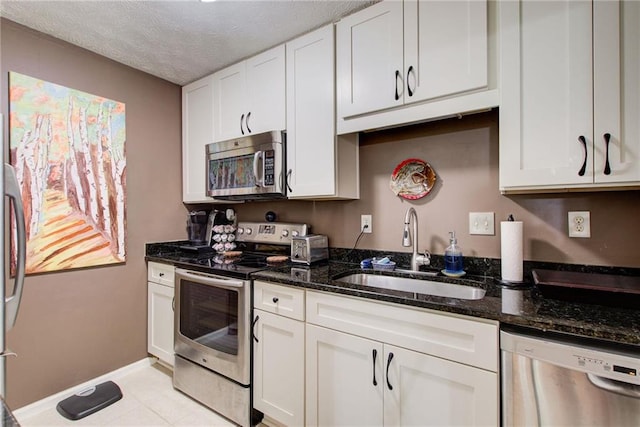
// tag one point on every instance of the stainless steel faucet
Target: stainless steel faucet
(416, 259)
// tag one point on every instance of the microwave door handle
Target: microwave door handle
(220, 283)
(256, 158)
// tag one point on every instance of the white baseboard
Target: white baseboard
(51, 401)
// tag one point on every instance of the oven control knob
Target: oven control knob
(295, 233)
(248, 231)
(285, 233)
(240, 230)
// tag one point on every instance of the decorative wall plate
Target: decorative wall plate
(412, 179)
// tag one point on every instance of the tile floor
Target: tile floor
(148, 399)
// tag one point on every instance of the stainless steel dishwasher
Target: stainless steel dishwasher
(553, 382)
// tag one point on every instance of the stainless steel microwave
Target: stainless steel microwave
(251, 167)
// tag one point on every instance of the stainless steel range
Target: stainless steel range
(212, 319)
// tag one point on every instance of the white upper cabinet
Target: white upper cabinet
(197, 132)
(403, 62)
(570, 96)
(616, 92)
(445, 48)
(319, 165)
(249, 97)
(370, 59)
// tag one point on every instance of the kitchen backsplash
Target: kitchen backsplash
(464, 154)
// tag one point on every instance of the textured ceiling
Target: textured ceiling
(179, 41)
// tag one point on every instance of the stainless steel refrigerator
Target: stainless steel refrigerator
(11, 298)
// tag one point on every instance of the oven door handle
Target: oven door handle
(211, 281)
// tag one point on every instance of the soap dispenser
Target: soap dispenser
(453, 263)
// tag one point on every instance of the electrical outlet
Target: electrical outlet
(366, 220)
(482, 223)
(579, 224)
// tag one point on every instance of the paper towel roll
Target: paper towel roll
(511, 250)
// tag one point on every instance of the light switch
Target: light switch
(482, 223)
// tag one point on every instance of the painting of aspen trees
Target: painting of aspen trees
(68, 150)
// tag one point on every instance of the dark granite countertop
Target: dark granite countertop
(521, 306)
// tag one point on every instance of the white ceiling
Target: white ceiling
(179, 41)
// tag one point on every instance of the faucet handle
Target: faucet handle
(424, 258)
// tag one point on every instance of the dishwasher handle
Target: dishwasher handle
(615, 386)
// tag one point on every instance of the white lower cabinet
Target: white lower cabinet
(323, 359)
(278, 353)
(368, 379)
(160, 293)
(340, 379)
(424, 390)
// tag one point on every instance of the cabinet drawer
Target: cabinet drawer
(160, 273)
(277, 299)
(462, 339)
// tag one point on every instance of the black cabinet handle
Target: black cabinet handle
(388, 364)
(275, 300)
(607, 167)
(408, 86)
(375, 354)
(253, 327)
(241, 120)
(397, 76)
(246, 122)
(289, 172)
(162, 274)
(584, 165)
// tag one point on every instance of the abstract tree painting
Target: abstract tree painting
(68, 150)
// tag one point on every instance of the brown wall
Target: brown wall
(464, 154)
(77, 325)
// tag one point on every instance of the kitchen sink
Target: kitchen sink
(418, 286)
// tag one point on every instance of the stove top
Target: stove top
(255, 242)
(241, 266)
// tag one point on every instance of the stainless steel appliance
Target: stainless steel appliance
(309, 249)
(558, 382)
(9, 305)
(247, 168)
(212, 342)
(212, 334)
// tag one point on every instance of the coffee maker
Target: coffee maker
(201, 228)
(197, 223)
(198, 232)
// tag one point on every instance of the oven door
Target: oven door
(247, 168)
(212, 319)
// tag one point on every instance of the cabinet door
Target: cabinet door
(546, 93)
(266, 92)
(343, 380)
(160, 322)
(278, 369)
(616, 91)
(230, 96)
(428, 391)
(445, 48)
(310, 114)
(197, 132)
(369, 59)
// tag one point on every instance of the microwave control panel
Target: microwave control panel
(269, 168)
